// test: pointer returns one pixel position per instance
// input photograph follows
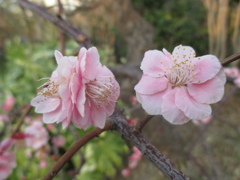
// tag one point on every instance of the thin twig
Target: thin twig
(73, 32)
(21, 119)
(71, 151)
(231, 58)
(141, 123)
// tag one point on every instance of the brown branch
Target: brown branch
(61, 34)
(73, 32)
(231, 58)
(141, 123)
(120, 124)
(21, 119)
(71, 151)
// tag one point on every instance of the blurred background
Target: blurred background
(122, 30)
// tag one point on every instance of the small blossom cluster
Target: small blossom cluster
(133, 161)
(233, 73)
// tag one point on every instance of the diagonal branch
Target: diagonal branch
(231, 58)
(71, 151)
(73, 32)
(164, 164)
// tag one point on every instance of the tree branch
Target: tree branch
(120, 124)
(73, 32)
(71, 151)
(231, 58)
(21, 119)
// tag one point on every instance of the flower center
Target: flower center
(180, 73)
(101, 91)
(49, 89)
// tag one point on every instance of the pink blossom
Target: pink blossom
(180, 86)
(58, 141)
(43, 164)
(237, 81)
(132, 121)
(134, 158)
(232, 72)
(50, 127)
(39, 135)
(203, 121)
(7, 159)
(80, 90)
(9, 103)
(126, 172)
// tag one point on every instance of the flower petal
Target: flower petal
(206, 67)
(154, 63)
(81, 100)
(222, 76)
(151, 103)
(182, 53)
(92, 64)
(170, 111)
(53, 116)
(58, 55)
(189, 106)
(208, 92)
(151, 85)
(43, 105)
(98, 117)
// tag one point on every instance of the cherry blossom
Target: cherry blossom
(58, 140)
(7, 159)
(38, 135)
(180, 86)
(9, 103)
(232, 72)
(80, 90)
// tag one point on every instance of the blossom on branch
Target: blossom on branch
(80, 90)
(180, 86)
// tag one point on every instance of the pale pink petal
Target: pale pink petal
(81, 99)
(92, 64)
(98, 117)
(189, 106)
(201, 92)
(53, 116)
(65, 66)
(166, 53)
(151, 85)
(6, 144)
(45, 105)
(82, 52)
(170, 111)
(75, 86)
(154, 63)
(237, 82)
(221, 75)
(152, 103)
(206, 67)
(182, 53)
(58, 55)
(232, 72)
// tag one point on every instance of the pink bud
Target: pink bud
(126, 172)
(43, 164)
(58, 141)
(9, 103)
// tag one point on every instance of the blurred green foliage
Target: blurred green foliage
(176, 22)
